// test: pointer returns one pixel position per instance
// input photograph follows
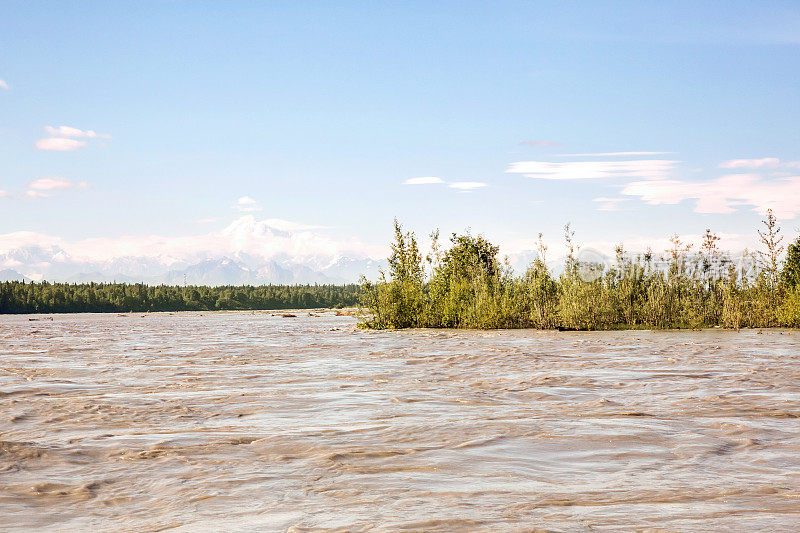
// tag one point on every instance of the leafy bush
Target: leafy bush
(468, 287)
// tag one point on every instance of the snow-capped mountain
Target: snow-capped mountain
(247, 251)
(54, 265)
(12, 275)
(228, 271)
(350, 268)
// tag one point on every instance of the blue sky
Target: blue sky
(157, 118)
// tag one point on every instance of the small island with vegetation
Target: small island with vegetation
(468, 286)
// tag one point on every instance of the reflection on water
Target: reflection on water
(254, 422)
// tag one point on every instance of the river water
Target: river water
(255, 422)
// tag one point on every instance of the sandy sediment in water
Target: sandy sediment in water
(252, 421)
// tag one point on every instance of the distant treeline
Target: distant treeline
(44, 297)
(468, 286)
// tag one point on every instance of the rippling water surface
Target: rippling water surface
(254, 422)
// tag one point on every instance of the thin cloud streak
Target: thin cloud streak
(539, 143)
(614, 154)
(67, 131)
(58, 144)
(245, 204)
(577, 170)
(468, 185)
(66, 138)
(40, 188)
(461, 186)
(425, 180)
(31, 193)
(766, 162)
(50, 184)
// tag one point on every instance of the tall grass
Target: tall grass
(467, 286)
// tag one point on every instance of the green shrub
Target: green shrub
(468, 287)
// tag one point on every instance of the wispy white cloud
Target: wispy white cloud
(539, 142)
(724, 194)
(42, 187)
(766, 162)
(574, 170)
(467, 185)
(245, 204)
(4, 85)
(3, 193)
(59, 144)
(462, 186)
(32, 193)
(651, 181)
(614, 154)
(68, 131)
(50, 184)
(65, 138)
(427, 180)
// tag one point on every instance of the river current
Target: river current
(246, 421)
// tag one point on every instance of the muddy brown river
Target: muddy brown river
(253, 422)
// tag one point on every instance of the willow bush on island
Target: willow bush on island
(468, 286)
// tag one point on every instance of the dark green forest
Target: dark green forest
(20, 297)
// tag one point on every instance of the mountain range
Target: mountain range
(246, 252)
(53, 265)
(37, 263)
